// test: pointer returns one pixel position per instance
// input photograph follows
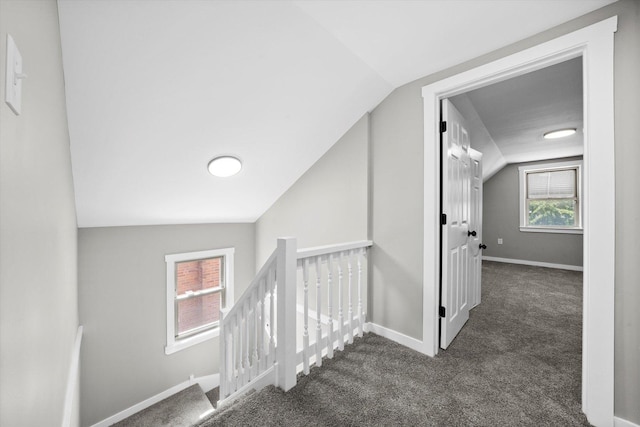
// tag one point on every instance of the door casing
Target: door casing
(594, 44)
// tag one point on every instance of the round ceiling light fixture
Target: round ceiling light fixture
(560, 133)
(224, 166)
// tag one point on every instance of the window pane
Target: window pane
(552, 212)
(198, 275)
(198, 311)
(560, 184)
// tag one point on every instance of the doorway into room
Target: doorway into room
(594, 44)
(533, 215)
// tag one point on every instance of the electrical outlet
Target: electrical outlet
(500, 240)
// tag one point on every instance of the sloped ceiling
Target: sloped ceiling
(156, 89)
(516, 113)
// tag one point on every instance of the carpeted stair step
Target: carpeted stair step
(184, 409)
(213, 395)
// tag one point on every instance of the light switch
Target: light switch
(14, 76)
(499, 240)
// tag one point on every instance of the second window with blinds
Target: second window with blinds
(550, 197)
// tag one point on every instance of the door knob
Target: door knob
(483, 246)
(471, 233)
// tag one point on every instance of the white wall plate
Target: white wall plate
(14, 76)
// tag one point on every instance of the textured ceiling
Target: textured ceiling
(517, 112)
(156, 89)
(508, 119)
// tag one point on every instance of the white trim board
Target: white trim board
(534, 263)
(619, 422)
(594, 44)
(401, 339)
(207, 383)
(72, 379)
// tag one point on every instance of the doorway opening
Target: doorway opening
(594, 44)
(495, 135)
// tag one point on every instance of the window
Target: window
(550, 197)
(198, 285)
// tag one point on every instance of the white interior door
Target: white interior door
(475, 241)
(455, 238)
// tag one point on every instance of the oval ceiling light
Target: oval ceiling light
(560, 133)
(224, 166)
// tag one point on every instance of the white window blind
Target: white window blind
(560, 184)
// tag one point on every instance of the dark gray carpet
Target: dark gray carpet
(183, 409)
(515, 363)
(213, 395)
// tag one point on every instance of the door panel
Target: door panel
(475, 268)
(455, 243)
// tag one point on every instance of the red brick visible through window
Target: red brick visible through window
(194, 276)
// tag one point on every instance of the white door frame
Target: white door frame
(595, 44)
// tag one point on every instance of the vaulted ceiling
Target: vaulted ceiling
(156, 89)
(513, 116)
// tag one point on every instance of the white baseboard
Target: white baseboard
(402, 339)
(619, 422)
(534, 263)
(72, 380)
(207, 383)
(266, 378)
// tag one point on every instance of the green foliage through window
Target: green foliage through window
(554, 213)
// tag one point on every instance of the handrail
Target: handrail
(328, 249)
(256, 280)
(72, 380)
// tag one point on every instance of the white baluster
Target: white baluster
(340, 303)
(318, 310)
(360, 309)
(247, 347)
(330, 307)
(229, 359)
(262, 363)
(234, 355)
(350, 270)
(305, 332)
(272, 318)
(223, 358)
(240, 346)
(255, 303)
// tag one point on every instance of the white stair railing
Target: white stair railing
(331, 329)
(258, 335)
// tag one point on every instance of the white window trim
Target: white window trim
(173, 344)
(541, 167)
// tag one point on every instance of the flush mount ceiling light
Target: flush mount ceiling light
(560, 133)
(224, 166)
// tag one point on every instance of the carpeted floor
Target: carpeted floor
(517, 362)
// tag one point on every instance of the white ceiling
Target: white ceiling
(156, 89)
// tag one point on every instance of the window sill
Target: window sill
(552, 230)
(183, 343)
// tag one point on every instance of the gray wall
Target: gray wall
(397, 197)
(122, 276)
(38, 234)
(501, 218)
(328, 204)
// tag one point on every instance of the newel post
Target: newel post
(286, 323)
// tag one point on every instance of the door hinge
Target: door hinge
(443, 127)
(443, 219)
(443, 312)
